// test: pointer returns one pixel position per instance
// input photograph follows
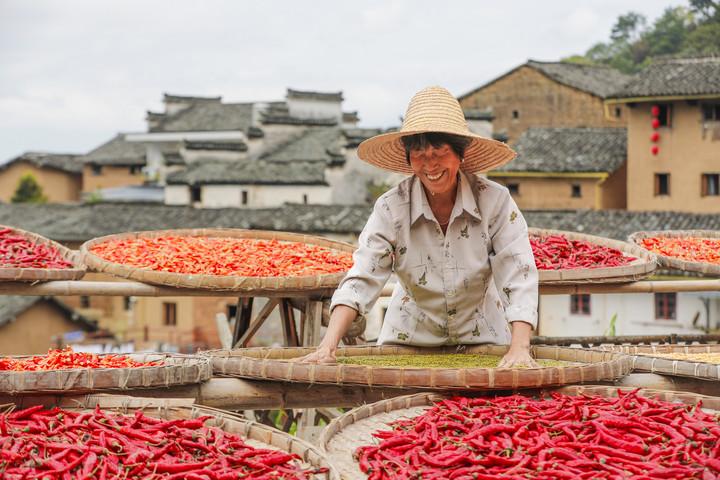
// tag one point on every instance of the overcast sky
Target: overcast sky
(73, 73)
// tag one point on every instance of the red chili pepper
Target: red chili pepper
(17, 251)
(555, 252)
(692, 249)
(225, 256)
(67, 358)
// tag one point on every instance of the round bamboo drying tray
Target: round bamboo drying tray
(218, 282)
(275, 364)
(355, 428)
(644, 264)
(12, 274)
(647, 358)
(257, 434)
(709, 269)
(176, 370)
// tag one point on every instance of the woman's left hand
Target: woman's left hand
(517, 357)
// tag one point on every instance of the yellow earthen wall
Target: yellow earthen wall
(57, 186)
(110, 177)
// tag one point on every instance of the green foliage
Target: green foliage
(28, 191)
(375, 190)
(94, 197)
(610, 332)
(678, 31)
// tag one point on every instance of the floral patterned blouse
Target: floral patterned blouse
(461, 287)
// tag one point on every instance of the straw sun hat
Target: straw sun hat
(434, 109)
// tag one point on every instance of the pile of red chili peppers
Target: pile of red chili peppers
(555, 252)
(60, 444)
(559, 437)
(17, 251)
(704, 250)
(225, 256)
(67, 358)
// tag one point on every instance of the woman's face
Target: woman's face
(436, 167)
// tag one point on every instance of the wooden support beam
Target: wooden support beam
(257, 323)
(313, 322)
(287, 316)
(242, 317)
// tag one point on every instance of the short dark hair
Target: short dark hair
(420, 141)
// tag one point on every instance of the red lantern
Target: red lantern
(655, 149)
(656, 123)
(655, 111)
(655, 137)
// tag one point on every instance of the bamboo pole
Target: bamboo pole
(672, 338)
(236, 394)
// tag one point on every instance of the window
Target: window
(515, 114)
(665, 115)
(231, 311)
(84, 301)
(576, 190)
(711, 112)
(662, 184)
(244, 195)
(665, 306)
(305, 198)
(514, 188)
(710, 184)
(618, 112)
(580, 304)
(195, 194)
(135, 169)
(127, 303)
(169, 314)
(96, 170)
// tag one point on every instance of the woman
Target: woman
(457, 243)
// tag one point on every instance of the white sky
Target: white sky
(75, 72)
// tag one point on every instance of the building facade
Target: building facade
(59, 175)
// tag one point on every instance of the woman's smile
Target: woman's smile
(436, 176)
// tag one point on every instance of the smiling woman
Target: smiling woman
(456, 242)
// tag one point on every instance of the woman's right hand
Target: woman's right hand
(321, 355)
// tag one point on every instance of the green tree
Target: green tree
(669, 31)
(704, 40)
(706, 10)
(28, 191)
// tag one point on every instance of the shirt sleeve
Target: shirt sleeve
(373, 262)
(513, 263)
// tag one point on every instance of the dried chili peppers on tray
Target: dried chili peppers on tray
(691, 249)
(559, 437)
(67, 359)
(17, 251)
(96, 444)
(556, 252)
(225, 256)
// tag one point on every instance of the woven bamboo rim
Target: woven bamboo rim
(643, 266)
(273, 364)
(644, 359)
(218, 282)
(43, 274)
(354, 429)
(257, 434)
(709, 269)
(176, 370)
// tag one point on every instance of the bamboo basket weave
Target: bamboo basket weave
(355, 428)
(646, 358)
(643, 266)
(43, 274)
(275, 364)
(218, 282)
(176, 370)
(709, 269)
(256, 434)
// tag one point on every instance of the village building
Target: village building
(673, 122)
(567, 168)
(548, 94)
(59, 175)
(32, 325)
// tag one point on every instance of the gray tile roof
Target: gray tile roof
(355, 136)
(600, 81)
(674, 77)
(217, 146)
(312, 144)
(167, 97)
(569, 150)
(117, 151)
(79, 223)
(209, 116)
(73, 223)
(13, 305)
(251, 172)
(279, 113)
(312, 95)
(477, 114)
(65, 162)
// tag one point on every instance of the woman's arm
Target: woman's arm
(340, 320)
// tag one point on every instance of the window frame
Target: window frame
(713, 108)
(665, 115)
(513, 188)
(665, 306)
(195, 194)
(581, 304)
(705, 190)
(96, 170)
(244, 197)
(658, 184)
(169, 314)
(573, 191)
